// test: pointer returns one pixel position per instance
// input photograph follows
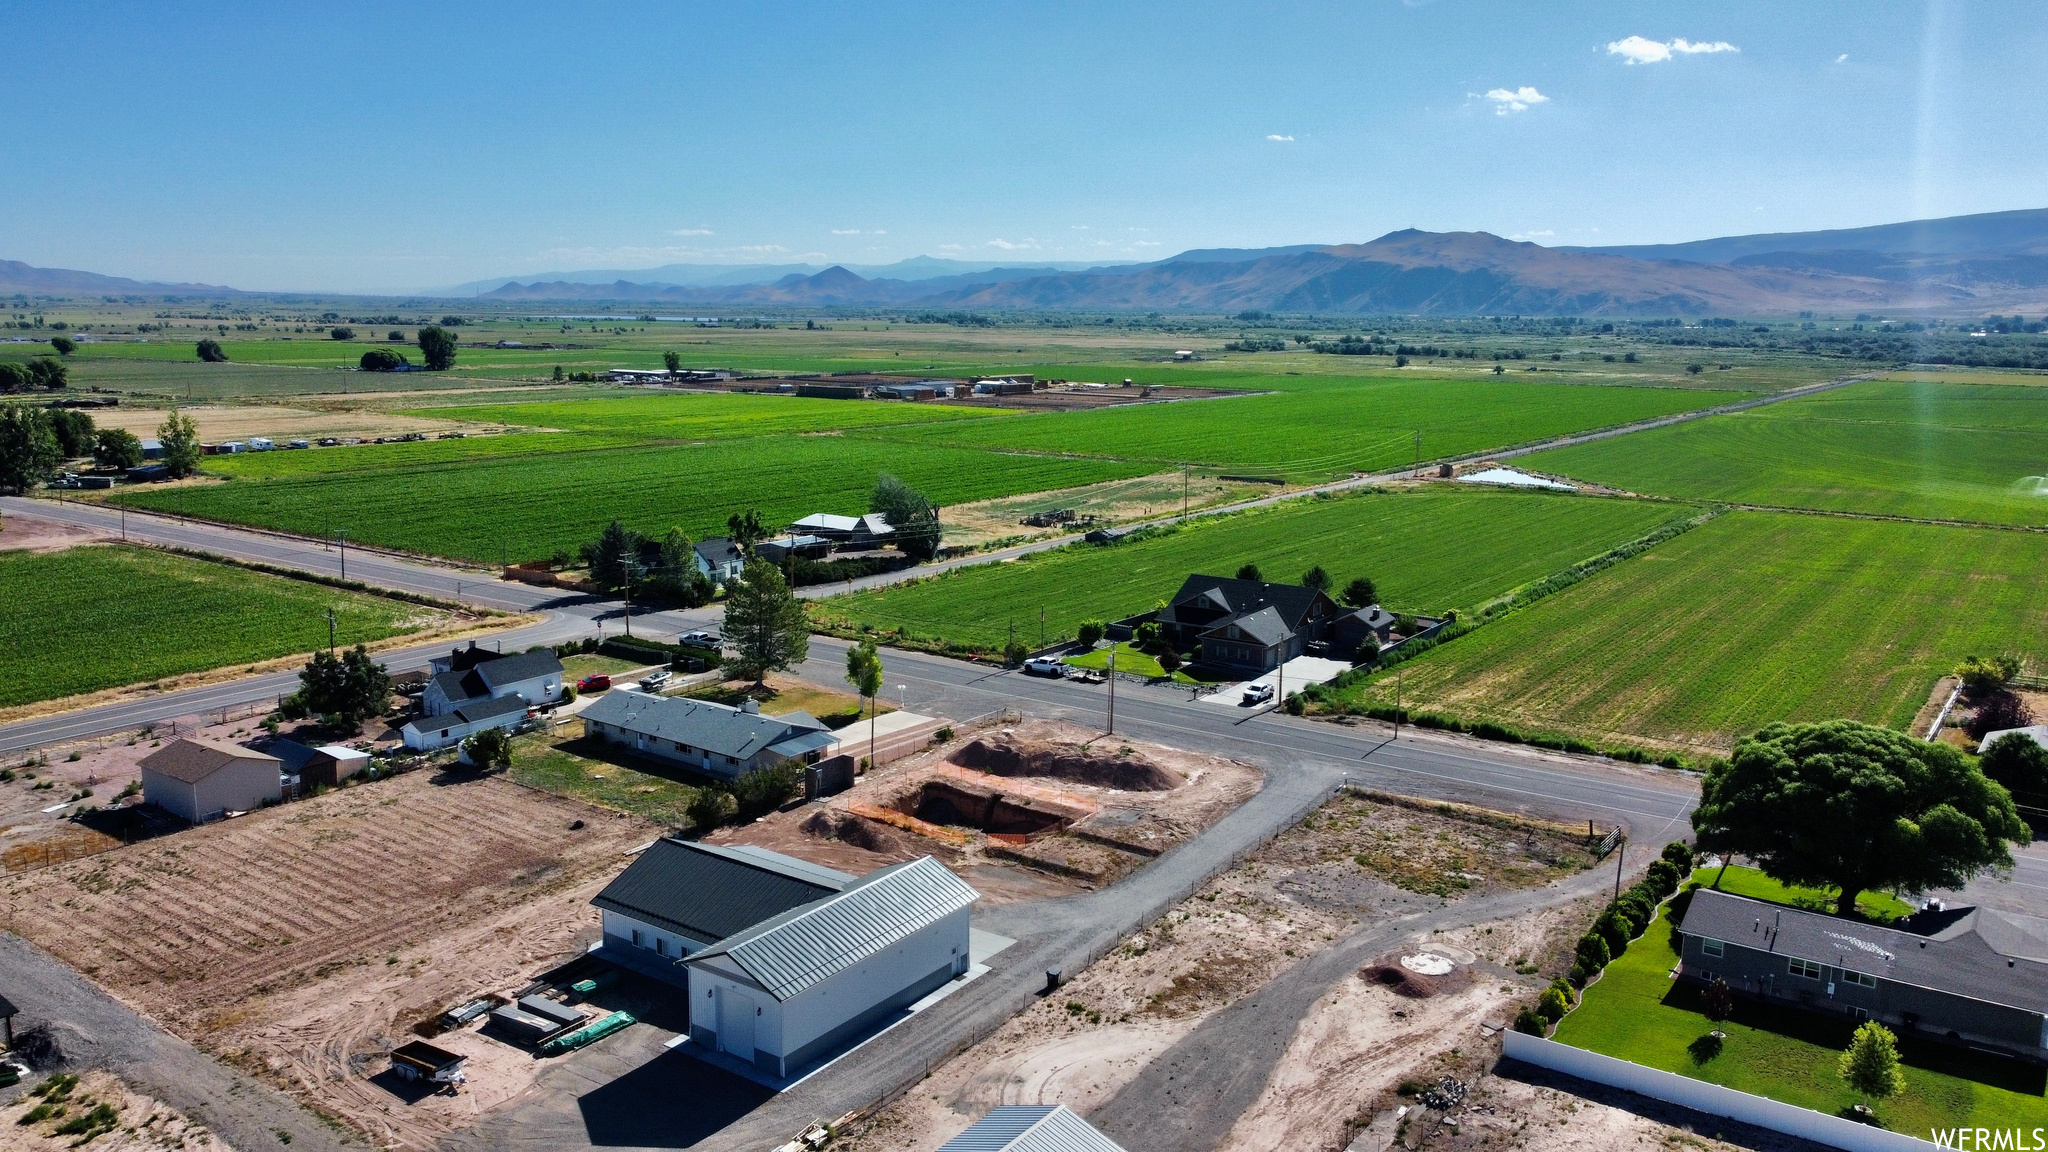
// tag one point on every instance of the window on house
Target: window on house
(1806, 968)
(1860, 979)
(636, 938)
(660, 946)
(1711, 947)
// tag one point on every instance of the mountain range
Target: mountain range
(1962, 265)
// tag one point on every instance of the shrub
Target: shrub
(1680, 855)
(1663, 878)
(1981, 674)
(490, 748)
(210, 351)
(1552, 1005)
(1578, 976)
(342, 333)
(1527, 1021)
(944, 734)
(1014, 652)
(1090, 632)
(760, 791)
(1593, 953)
(381, 360)
(1717, 1003)
(1615, 930)
(1999, 711)
(709, 808)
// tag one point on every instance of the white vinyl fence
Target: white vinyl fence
(1713, 1099)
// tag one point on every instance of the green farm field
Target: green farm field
(101, 617)
(1427, 550)
(1329, 427)
(1751, 618)
(1925, 449)
(525, 507)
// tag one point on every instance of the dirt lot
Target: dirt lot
(1536, 1115)
(1040, 809)
(301, 942)
(32, 534)
(1113, 501)
(1352, 863)
(219, 422)
(133, 1122)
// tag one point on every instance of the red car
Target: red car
(597, 683)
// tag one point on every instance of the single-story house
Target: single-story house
(720, 560)
(426, 733)
(788, 991)
(2038, 733)
(850, 533)
(715, 739)
(1246, 624)
(783, 547)
(328, 764)
(1968, 975)
(478, 674)
(1031, 1128)
(202, 780)
(678, 898)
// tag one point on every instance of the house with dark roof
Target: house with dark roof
(680, 897)
(1031, 1128)
(478, 674)
(426, 733)
(720, 560)
(1246, 624)
(715, 739)
(787, 992)
(1970, 976)
(202, 780)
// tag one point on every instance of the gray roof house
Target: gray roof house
(680, 897)
(715, 739)
(1031, 1128)
(720, 560)
(534, 676)
(426, 733)
(800, 985)
(1246, 624)
(1969, 976)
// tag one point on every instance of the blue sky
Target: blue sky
(390, 148)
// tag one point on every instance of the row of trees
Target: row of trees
(437, 347)
(1360, 593)
(665, 569)
(46, 372)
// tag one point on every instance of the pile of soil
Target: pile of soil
(1401, 981)
(834, 825)
(1131, 772)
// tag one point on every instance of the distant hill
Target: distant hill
(2021, 233)
(738, 275)
(18, 277)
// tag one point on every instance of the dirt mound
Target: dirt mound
(1403, 982)
(1126, 771)
(853, 830)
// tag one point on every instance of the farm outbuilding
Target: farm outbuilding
(201, 780)
(1031, 1128)
(328, 765)
(789, 991)
(679, 897)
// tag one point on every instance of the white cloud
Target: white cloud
(1506, 100)
(1008, 246)
(1842, 59)
(1281, 139)
(859, 232)
(690, 232)
(1533, 235)
(1638, 50)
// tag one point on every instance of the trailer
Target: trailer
(462, 1014)
(588, 1034)
(420, 1060)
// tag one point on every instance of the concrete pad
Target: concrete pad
(887, 724)
(1300, 672)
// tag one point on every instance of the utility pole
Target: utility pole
(1041, 627)
(1397, 703)
(1418, 451)
(1183, 492)
(626, 564)
(330, 631)
(124, 524)
(1112, 690)
(344, 553)
(1620, 850)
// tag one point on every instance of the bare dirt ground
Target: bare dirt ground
(138, 1122)
(1112, 501)
(1040, 772)
(30, 534)
(1541, 1113)
(301, 942)
(219, 422)
(1354, 861)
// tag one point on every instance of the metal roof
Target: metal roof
(469, 713)
(1031, 1128)
(698, 724)
(709, 893)
(804, 946)
(190, 759)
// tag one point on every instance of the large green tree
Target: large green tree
(28, 447)
(765, 623)
(347, 689)
(210, 351)
(437, 345)
(1853, 807)
(615, 557)
(2018, 762)
(116, 448)
(179, 437)
(675, 575)
(914, 518)
(73, 430)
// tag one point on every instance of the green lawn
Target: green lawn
(557, 764)
(1128, 659)
(1934, 450)
(102, 617)
(1750, 882)
(1636, 1012)
(1753, 618)
(659, 416)
(525, 507)
(1427, 551)
(1327, 427)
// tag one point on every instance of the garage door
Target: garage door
(736, 1023)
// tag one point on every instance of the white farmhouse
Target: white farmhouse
(476, 674)
(793, 989)
(202, 780)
